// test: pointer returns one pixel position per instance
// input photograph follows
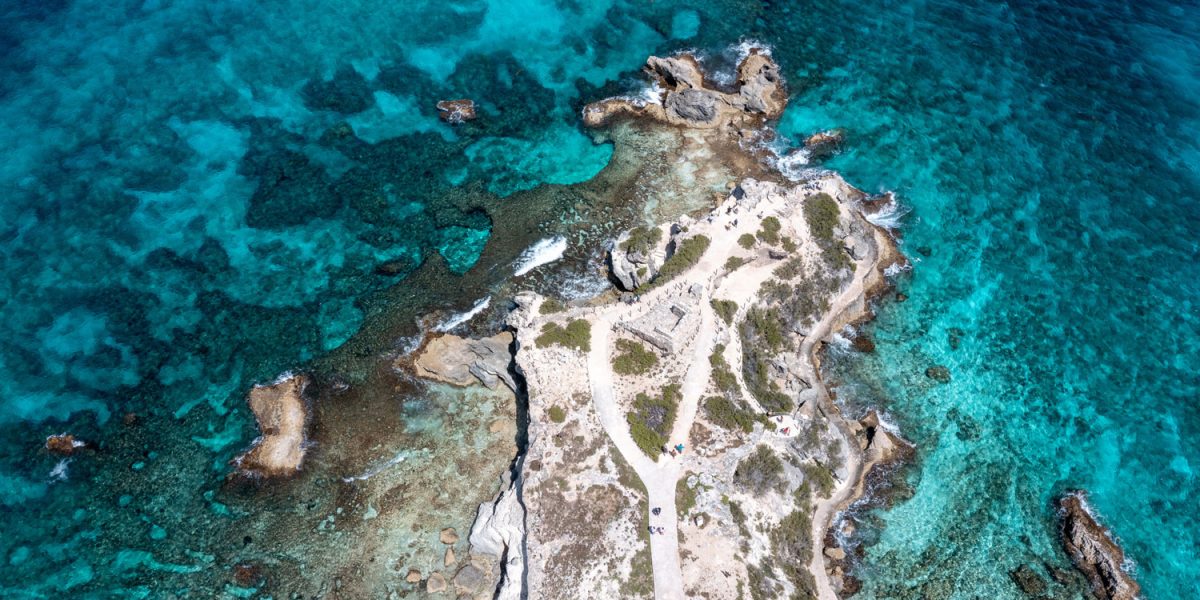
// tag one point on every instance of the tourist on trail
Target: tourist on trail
(656, 510)
(679, 448)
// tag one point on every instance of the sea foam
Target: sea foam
(543, 252)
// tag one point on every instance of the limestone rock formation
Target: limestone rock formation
(1093, 550)
(463, 361)
(282, 416)
(499, 530)
(688, 101)
(456, 111)
(634, 267)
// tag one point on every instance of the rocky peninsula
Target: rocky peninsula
(680, 440)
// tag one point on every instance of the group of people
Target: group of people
(656, 511)
(673, 451)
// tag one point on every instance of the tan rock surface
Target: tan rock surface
(282, 416)
(463, 361)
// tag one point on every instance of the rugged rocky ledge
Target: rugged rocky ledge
(281, 412)
(1093, 550)
(462, 362)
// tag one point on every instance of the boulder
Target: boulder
(448, 536)
(463, 361)
(414, 576)
(695, 107)
(436, 583)
(676, 72)
(450, 560)
(456, 111)
(1093, 550)
(835, 553)
(282, 416)
(469, 579)
(760, 85)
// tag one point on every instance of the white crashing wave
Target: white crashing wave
(373, 471)
(890, 215)
(543, 252)
(651, 94)
(456, 320)
(59, 472)
(894, 269)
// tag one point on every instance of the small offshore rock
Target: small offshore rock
(436, 583)
(938, 373)
(449, 536)
(835, 553)
(901, 297)
(450, 559)
(456, 111)
(392, 267)
(63, 444)
(414, 576)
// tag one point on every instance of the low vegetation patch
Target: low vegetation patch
(722, 375)
(726, 309)
(576, 335)
(651, 420)
(822, 214)
(724, 412)
(770, 231)
(557, 414)
(642, 239)
(819, 478)
(762, 337)
(687, 254)
(551, 306)
(633, 358)
(746, 241)
(789, 246)
(734, 262)
(685, 497)
(761, 472)
(791, 547)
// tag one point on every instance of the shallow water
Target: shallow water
(197, 196)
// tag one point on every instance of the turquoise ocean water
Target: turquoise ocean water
(197, 195)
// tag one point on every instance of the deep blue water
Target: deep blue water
(196, 196)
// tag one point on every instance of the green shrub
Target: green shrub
(577, 335)
(726, 309)
(687, 253)
(761, 472)
(791, 547)
(633, 358)
(642, 239)
(761, 336)
(722, 412)
(551, 306)
(819, 478)
(557, 414)
(733, 262)
(722, 375)
(685, 497)
(746, 241)
(822, 215)
(770, 231)
(651, 420)
(789, 246)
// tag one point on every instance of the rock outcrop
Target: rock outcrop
(634, 266)
(64, 444)
(1093, 550)
(687, 99)
(463, 361)
(456, 111)
(499, 530)
(282, 415)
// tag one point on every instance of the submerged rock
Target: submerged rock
(463, 361)
(938, 373)
(1092, 549)
(1029, 581)
(436, 583)
(282, 416)
(456, 111)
